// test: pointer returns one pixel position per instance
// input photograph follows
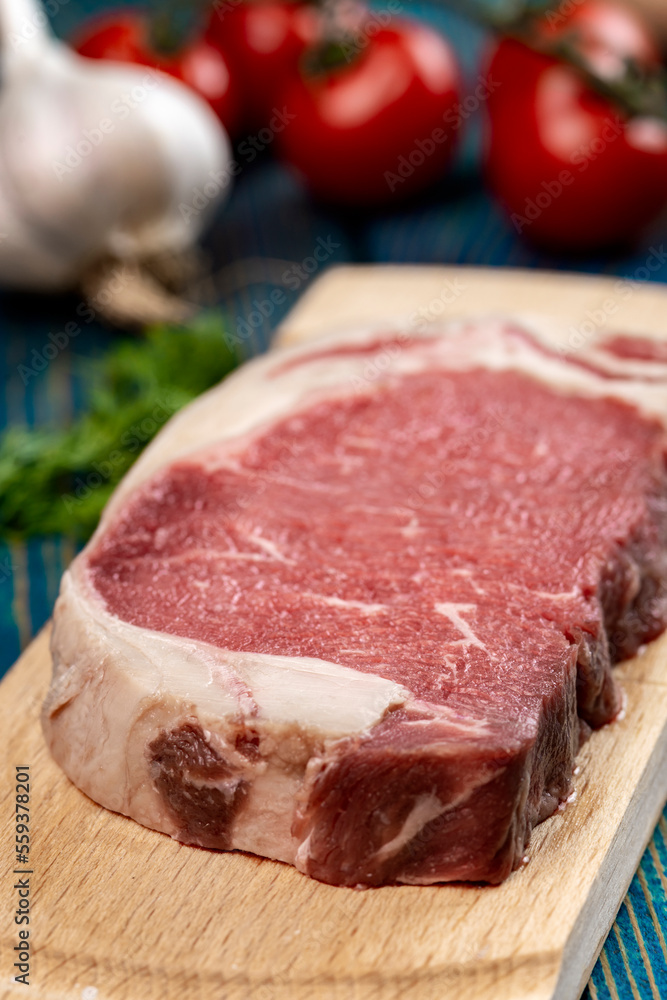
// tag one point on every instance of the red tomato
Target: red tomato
(573, 172)
(122, 37)
(206, 70)
(263, 42)
(125, 37)
(381, 126)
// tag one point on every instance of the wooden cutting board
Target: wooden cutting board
(121, 912)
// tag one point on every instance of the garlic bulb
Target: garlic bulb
(97, 159)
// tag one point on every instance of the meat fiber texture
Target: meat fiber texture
(356, 608)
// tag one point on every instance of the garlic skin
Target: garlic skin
(97, 159)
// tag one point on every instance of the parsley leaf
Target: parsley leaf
(57, 481)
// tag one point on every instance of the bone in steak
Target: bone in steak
(356, 608)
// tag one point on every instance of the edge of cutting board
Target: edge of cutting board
(130, 914)
(347, 296)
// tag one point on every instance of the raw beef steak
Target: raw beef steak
(356, 608)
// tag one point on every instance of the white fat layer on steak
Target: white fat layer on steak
(116, 687)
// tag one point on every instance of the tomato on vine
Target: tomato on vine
(262, 41)
(573, 169)
(381, 122)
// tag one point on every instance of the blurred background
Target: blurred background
(151, 238)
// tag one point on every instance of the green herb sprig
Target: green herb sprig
(56, 481)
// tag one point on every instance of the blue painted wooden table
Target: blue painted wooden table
(271, 227)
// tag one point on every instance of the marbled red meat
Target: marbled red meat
(422, 533)
(479, 538)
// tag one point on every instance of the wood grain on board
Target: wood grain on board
(125, 913)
